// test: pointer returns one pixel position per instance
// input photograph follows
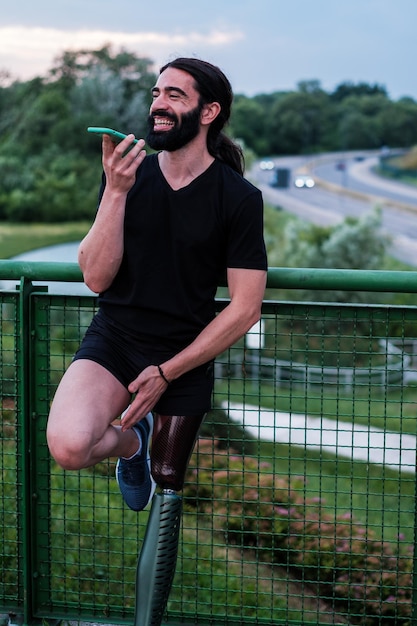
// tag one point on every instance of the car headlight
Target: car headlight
(266, 165)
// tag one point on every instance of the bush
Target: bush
(339, 558)
(54, 188)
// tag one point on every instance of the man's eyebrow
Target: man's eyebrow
(170, 89)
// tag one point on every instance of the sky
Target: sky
(262, 45)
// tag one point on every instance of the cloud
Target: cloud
(27, 51)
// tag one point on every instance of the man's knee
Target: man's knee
(70, 450)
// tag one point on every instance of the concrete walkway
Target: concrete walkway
(355, 441)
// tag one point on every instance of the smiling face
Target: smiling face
(175, 112)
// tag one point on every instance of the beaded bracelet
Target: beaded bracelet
(161, 371)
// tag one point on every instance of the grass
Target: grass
(19, 238)
(378, 497)
(367, 405)
(95, 549)
(95, 542)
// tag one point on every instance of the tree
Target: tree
(54, 187)
(347, 89)
(360, 122)
(398, 123)
(74, 65)
(248, 123)
(100, 99)
(352, 244)
(298, 120)
(84, 88)
(41, 123)
(43, 131)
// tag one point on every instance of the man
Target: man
(169, 226)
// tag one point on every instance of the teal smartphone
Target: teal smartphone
(114, 134)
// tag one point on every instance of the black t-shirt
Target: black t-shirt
(177, 247)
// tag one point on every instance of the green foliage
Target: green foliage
(355, 243)
(50, 165)
(18, 238)
(54, 187)
(311, 120)
(249, 123)
(336, 556)
(298, 121)
(346, 89)
(228, 434)
(398, 122)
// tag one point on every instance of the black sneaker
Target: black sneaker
(134, 475)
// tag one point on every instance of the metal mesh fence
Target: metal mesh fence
(299, 505)
(10, 542)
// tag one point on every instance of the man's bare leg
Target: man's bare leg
(80, 431)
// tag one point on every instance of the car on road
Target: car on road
(304, 181)
(267, 165)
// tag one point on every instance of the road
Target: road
(359, 176)
(349, 192)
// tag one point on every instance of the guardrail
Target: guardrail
(278, 277)
(299, 506)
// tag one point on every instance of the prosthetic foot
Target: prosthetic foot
(171, 450)
(157, 561)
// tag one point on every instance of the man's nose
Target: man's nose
(159, 102)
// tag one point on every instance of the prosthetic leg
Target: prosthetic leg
(172, 447)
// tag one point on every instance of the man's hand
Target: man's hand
(149, 387)
(120, 163)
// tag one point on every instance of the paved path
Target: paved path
(344, 439)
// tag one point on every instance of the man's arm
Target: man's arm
(246, 288)
(101, 251)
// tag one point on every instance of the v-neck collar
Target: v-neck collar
(190, 184)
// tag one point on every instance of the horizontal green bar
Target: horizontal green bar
(40, 270)
(343, 280)
(278, 277)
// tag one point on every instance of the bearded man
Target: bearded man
(169, 227)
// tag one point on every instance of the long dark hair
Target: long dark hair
(213, 86)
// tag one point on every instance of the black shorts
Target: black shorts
(125, 357)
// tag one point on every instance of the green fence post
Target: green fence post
(41, 484)
(30, 450)
(24, 448)
(413, 621)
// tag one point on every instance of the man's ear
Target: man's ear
(210, 112)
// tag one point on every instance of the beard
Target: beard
(184, 131)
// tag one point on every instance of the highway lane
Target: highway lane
(329, 201)
(359, 176)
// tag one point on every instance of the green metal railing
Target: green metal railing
(299, 506)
